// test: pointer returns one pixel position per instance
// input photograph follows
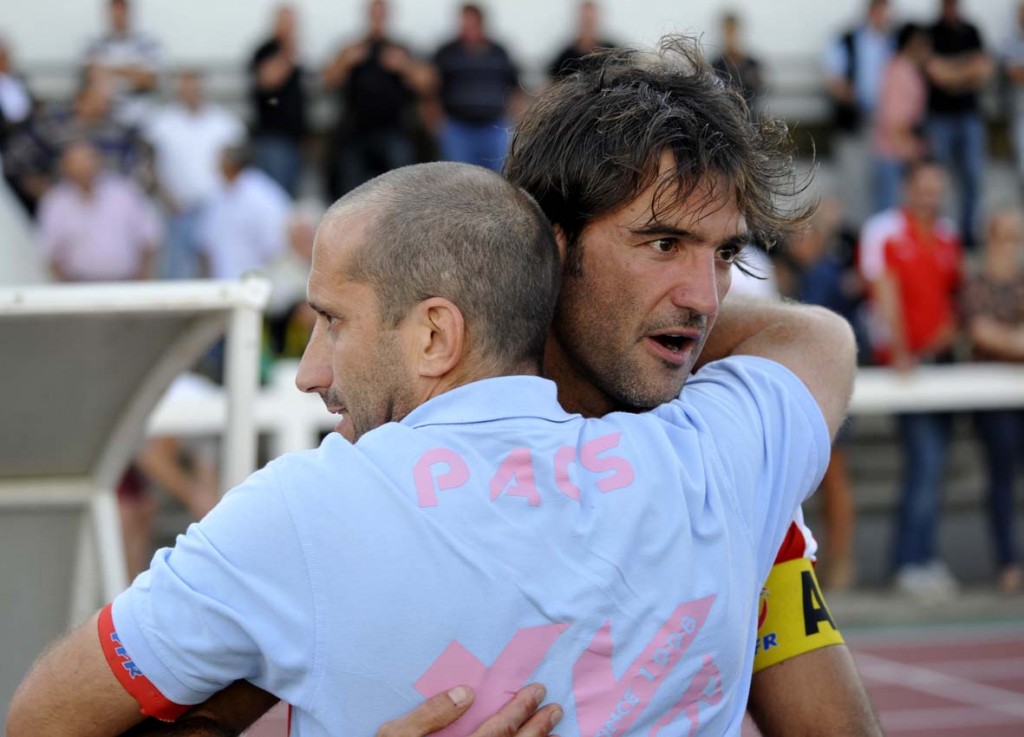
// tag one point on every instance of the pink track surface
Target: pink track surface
(943, 682)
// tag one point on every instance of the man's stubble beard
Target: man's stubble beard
(598, 359)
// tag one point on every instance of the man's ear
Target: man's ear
(562, 241)
(440, 342)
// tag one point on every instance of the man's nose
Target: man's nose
(697, 283)
(314, 374)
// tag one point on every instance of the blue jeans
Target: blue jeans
(924, 437)
(180, 258)
(958, 141)
(888, 180)
(484, 145)
(281, 158)
(1002, 438)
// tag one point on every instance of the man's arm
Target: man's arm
(814, 343)
(226, 714)
(816, 694)
(72, 691)
(1000, 339)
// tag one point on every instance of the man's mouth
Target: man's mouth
(674, 343)
(338, 411)
(674, 347)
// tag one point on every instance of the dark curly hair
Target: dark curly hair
(593, 141)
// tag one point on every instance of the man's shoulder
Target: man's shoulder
(499, 50)
(447, 50)
(264, 50)
(57, 197)
(880, 227)
(257, 186)
(736, 380)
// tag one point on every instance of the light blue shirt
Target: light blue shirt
(492, 539)
(873, 51)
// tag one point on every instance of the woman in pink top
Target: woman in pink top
(900, 115)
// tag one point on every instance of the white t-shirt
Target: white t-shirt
(492, 539)
(187, 148)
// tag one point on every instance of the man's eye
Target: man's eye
(663, 245)
(730, 254)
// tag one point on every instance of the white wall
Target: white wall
(225, 31)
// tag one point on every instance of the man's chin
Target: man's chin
(346, 429)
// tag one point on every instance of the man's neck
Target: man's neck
(924, 222)
(86, 190)
(576, 393)
(463, 375)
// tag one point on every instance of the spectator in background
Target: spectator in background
(279, 103)
(187, 136)
(289, 317)
(15, 100)
(184, 469)
(993, 307)
(380, 84)
(96, 225)
(1013, 67)
(898, 135)
(854, 64)
(736, 66)
(915, 295)
(243, 229)
(32, 157)
(587, 41)
(479, 89)
(819, 275)
(132, 61)
(957, 72)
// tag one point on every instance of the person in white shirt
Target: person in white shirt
(245, 226)
(187, 137)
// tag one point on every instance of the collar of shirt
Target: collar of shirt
(498, 398)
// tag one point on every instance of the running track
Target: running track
(948, 681)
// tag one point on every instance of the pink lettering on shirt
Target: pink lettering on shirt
(423, 474)
(493, 686)
(517, 470)
(707, 676)
(565, 456)
(608, 706)
(590, 453)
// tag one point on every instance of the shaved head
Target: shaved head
(463, 233)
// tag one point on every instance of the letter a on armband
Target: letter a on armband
(793, 616)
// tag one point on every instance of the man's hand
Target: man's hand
(518, 718)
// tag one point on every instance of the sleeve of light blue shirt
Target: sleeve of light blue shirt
(232, 600)
(765, 435)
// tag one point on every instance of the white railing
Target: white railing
(294, 421)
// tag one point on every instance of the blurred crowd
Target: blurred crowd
(140, 175)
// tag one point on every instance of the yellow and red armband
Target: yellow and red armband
(793, 617)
